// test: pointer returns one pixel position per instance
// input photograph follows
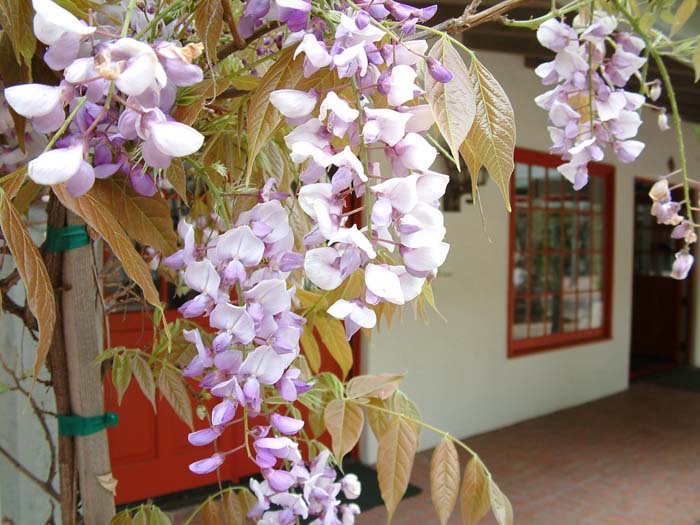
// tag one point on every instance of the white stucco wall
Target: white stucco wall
(458, 372)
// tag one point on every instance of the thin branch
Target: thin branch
(41, 484)
(468, 19)
(231, 23)
(232, 47)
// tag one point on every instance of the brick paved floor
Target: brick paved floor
(629, 459)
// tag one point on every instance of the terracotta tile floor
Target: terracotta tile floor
(629, 459)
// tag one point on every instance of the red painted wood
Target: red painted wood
(534, 344)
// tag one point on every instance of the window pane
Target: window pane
(538, 176)
(584, 232)
(569, 312)
(554, 223)
(597, 310)
(598, 193)
(520, 318)
(554, 269)
(537, 272)
(537, 316)
(520, 274)
(539, 241)
(522, 220)
(555, 188)
(584, 311)
(569, 277)
(583, 279)
(569, 231)
(598, 232)
(583, 198)
(554, 313)
(521, 180)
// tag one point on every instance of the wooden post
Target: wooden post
(82, 329)
(59, 372)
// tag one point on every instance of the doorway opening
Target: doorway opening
(661, 305)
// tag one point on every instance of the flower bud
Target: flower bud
(662, 121)
(438, 71)
(654, 90)
(351, 486)
(362, 20)
(682, 265)
(660, 192)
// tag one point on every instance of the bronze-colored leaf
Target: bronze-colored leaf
(332, 334)
(500, 506)
(211, 513)
(144, 377)
(474, 496)
(14, 182)
(16, 22)
(232, 508)
(173, 387)
(209, 23)
(344, 421)
(309, 346)
(146, 220)
(452, 103)
(377, 419)
(444, 479)
(395, 455)
(122, 518)
(263, 118)
(140, 518)
(177, 177)
(158, 517)
(32, 271)
(380, 386)
(121, 375)
(492, 137)
(100, 218)
(26, 195)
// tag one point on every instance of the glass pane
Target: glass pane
(569, 196)
(584, 311)
(520, 318)
(597, 271)
(597, 310)
(537, 316)
(554, 224)
(584, 232)
(537, 272)
(520, 273)
(569, 231)
(539, 193)
(583, 279)
(554, 270)
(521, 229)
(583, 198)
(554, 313)
(598, 193)
(598, 232)
(521, 179)
(569, 277)
(569, 313)
(538, 230)
(555, 188)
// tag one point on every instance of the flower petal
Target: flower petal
(56, 166)
(33, 100)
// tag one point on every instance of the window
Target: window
(560, 256)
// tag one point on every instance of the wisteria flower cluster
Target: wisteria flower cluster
(241, 278)
(119, 92)
(401, 243)
(666, 211)
(589, 109)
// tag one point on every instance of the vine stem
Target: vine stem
(427, 426)
(677, 124)
(65, 125)
(127, 17)
(534, 23)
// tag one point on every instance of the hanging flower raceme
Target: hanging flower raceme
(589, 109)
(119, 93)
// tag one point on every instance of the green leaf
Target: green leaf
(395, 455)
(452, 103)
(173, 387)
(344, 421)
(379, 386)
(474, 496)
(34, 275)
(492, 138)
(500, 506)
(444, 479)
(157, 516)
(121, 518)
(144, 377)
(121, 375)
(16, 22)
(140, 518)
(684, 12)
(332, 334)
(209, 23)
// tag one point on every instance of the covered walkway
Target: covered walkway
(629, 459)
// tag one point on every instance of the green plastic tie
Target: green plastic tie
(66, 238)
(85, 426)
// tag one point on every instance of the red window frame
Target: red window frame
(541, 343)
